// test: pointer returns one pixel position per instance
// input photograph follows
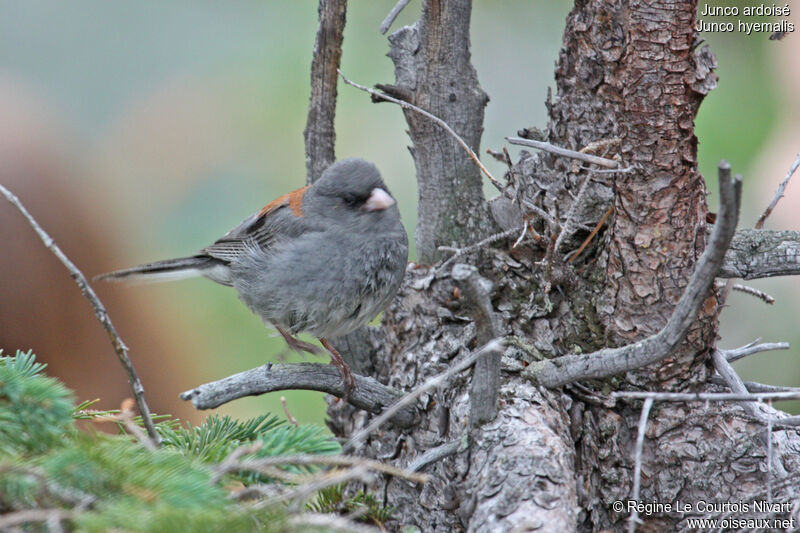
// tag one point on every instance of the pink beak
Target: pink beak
(378, 200)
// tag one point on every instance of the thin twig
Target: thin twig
(706, 396)
(637, 466)
(33, 515)
(739, 353)
(433, 382)
(292, 420)
(761, 295)
(327, 460)
(754, 386)
(592, 234)
(437, 454)
(769, 455)
(547, 147)
(434, 118)
(778, 194)
(99, 310)
(389, 20)
(458, 252)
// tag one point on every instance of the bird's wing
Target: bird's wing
(278, 220)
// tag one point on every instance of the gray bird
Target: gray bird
(324, 259)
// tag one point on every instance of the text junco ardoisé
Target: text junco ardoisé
(324, 259)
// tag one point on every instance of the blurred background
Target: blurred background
(137, 131)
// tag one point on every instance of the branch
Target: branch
(738, 353)
(100, 312)
(485, 386)
(756, 254)
(368, 394)
(389, 20)
(580, 156)
(494, 345)
(637, 465)
(778, 193)
(320, 135)
(610, 361)
(707, 396)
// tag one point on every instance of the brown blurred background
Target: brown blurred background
(137, 131)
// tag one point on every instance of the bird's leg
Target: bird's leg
(296, 344)
(338, 362)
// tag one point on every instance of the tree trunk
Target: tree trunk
(630, 80)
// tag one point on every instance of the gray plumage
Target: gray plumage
(325, 260)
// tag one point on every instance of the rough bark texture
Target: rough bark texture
(320, 135)
(433, 71)
(557, 460)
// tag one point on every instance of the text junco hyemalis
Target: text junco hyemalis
(324, 259)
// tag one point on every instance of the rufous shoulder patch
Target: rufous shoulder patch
(293, 199)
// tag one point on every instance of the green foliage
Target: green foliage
(115, 483)
(35, 410)
(362, 504)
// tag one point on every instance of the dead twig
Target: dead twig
(738, 353)
(761, 295)
(389, 20)
(706, 396)
(564, 152)
(292, 420)
(100, 312)
(637, 466)
(778, 194)
(442, 123)
(591, 236)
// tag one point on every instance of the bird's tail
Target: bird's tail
(169, 269)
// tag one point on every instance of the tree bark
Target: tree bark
(629, 79)
(433, 71)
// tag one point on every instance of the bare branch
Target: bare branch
(437, 454)
(320, 135)
(756, 254)
(610, 361)
(368, 393)
(254, 465)
(440, 122)
(753, 386)
(637, 465)
(458, 252)
(26, 516)
(734, 382)
(547, 147)
(389, 20)
(738, 353)
(494, 345)
(761, 295)
(100, 312)
(778, 194)
(485, 386)
(706, 396)
(591, 236)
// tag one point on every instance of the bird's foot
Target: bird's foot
(296, 344)
(337, 361)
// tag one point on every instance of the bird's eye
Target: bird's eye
(351, 200)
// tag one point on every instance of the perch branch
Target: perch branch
(100, 312)
(436, 454)
(564, 152)
(440, 122)
(495, 345)
(610, 361)
(389, 20)
(485, 386)
(368, 394)
(778, 194)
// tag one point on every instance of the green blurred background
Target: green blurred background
(157, 126)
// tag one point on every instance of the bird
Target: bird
(324, 259)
